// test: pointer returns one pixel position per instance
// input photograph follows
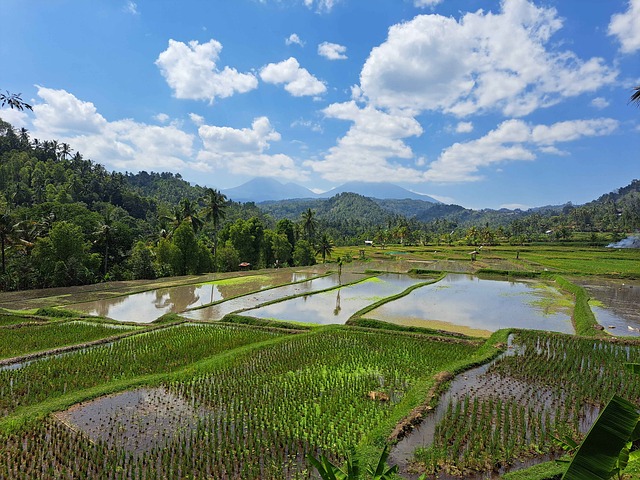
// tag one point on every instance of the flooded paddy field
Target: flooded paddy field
(336, 306)
(218, 311)
(616, 305)
(136, 421)
(479, 306)
(506, 413)
(146, 307)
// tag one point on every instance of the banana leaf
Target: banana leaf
(598, 454)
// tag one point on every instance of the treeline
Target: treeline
(65, 220)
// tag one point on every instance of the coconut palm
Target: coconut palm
(14, 101)
(7, 229)
(188, 213)
(309, 224)
(325, 246)
(635, 97)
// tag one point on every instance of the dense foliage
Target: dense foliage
(65, 221)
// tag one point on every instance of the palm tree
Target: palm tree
(14, 101)
(325, 247)
(635, 97)
(104, 233)
(309, 224)
(7, 229)
(214, 212)
(188, 213)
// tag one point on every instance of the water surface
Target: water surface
(336, 306)
(480, 305)
(617, 304)
(146, 307)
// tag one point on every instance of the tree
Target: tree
(14, 101)
(7, 229)
(214, 212)
(635, 97)
(325, 246)
(303, 254)
(309, 224)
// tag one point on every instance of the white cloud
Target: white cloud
(512, 140)
(131, 7)
(197, 119)
(123, 144)
(332, 51)
(464, 127)
(15, 117)
(294, 39)
(485, 61)
(162, 117)
(426, 3)
(192, 73)
(242, 151)
(600, 102)
(371, 148)
(298, 81)
(515, 206)
(62, 112)
(321, 5)
(626, 27)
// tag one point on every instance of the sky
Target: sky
(481, 103)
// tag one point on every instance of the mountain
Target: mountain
(381, 190)
(267, 189)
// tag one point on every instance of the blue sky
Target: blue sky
(486, 104)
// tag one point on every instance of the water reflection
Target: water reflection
(479, 304)
(618, 311)
(147, 306)
(336, 307)
(217, 312)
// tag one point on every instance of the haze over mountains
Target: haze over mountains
(267, 189)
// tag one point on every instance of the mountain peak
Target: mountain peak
(379, 190)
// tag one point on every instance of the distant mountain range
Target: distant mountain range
(267, 189)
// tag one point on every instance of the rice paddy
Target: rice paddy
(223, 400)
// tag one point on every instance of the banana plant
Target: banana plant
(351, 469)
(606, 450)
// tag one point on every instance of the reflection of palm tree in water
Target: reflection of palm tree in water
(336, 310)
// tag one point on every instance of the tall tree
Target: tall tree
(14, 101)
(309, 224)
(7, 229)
(325, 246)
(214, 212)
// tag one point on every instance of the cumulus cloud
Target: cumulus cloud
(332, 51)
(297, 80)
(123, 144)
(192, 72)
(600, 102)
(626, 27)
(371, 148)
(294, 39)
(512, 140)
(197, 119)
(242, 151)
(464, 127)
(485, 61)
(162, 117)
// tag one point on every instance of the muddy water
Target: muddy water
(481, 305)
(216, 312)
(145, 307)
(617, 309)
(136, 420)
(338, 305)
